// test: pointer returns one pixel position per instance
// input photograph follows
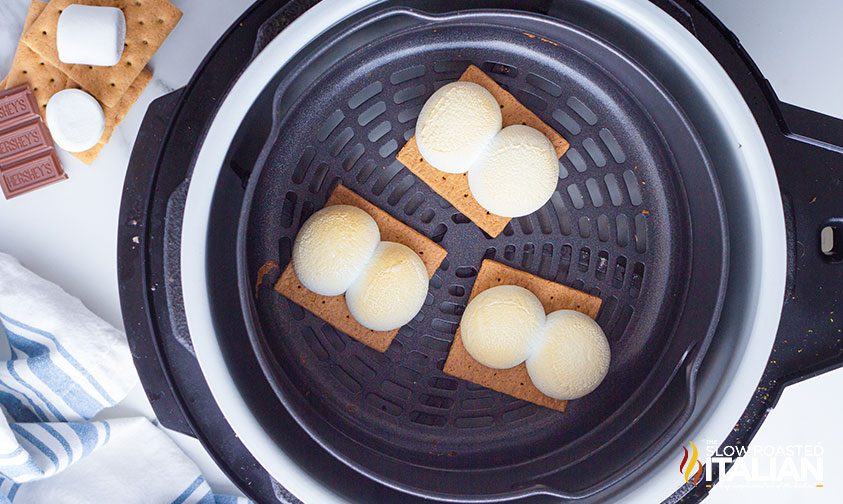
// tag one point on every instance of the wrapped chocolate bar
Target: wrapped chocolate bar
(27, 154)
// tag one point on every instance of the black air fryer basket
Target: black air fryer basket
(638, 220)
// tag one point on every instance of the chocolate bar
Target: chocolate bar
(16, 105)
(27, 154)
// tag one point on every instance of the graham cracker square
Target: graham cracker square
(515, 381)
(454, 186)
(30, 68)
(148, 23)
(332, 309)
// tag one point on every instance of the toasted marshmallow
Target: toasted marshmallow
(572, 357)
(501, 325)
(333, 248)
(391, 290)
(455, 125)
(516, 174)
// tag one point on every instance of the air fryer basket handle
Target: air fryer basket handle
(810, 171)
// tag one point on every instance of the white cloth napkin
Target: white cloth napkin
(65, 365)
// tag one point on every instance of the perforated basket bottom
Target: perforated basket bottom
(617, 227)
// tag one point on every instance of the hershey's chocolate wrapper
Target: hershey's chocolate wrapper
(27, 153)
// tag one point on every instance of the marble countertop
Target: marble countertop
(67, 232)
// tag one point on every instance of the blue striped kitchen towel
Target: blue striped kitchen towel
(62, 366)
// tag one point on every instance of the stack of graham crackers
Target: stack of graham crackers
(36, 62)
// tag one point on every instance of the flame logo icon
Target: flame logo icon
(689, 463)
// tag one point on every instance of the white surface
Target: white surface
(75, 119)
(67, 232)
(90, 35)
(795, 44)
(752, 162)
(808, 414)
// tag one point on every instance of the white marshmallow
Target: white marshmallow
(90, 35)
(392, 289)
(516, 174)
(500, 326)
(572, 358)
(455, 124)
(333, 248)
(75, 119)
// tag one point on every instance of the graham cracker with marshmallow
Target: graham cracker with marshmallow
(148, 23)
(115, 115)
(333, 309)
(454, 186)
(515, 381)
(28, 67)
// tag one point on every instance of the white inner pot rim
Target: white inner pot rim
(732, 110)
